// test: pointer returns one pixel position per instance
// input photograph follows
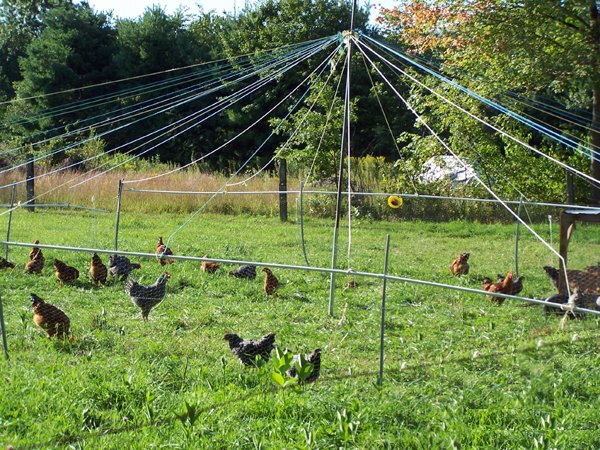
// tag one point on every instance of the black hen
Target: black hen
(120, 266)
(147, 297)
(315, 359)
(248, 272)
(517, 283)
(561, 299)
(248, 349)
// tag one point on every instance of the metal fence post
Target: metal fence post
(382, 330)
(2, 327)
(10, 211)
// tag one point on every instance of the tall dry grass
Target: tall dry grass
(101, 192)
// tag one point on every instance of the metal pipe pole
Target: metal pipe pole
(10, 212)
(383, 295)
(338, 203)
(118, 219)
(2, 327)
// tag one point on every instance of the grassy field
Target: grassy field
(459, 372)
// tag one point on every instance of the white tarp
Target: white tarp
(440, 168)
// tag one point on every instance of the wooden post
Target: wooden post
(283, 210)
(570, 189)
(566, 221)
(30, 183)
(118, 219)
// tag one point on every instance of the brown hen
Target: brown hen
(162, 251)
(209, 266)
(49, 318)
(271, 282)
(98, 271)
(6, 264)
(64, 273)
(36, 264)
(502, 287)
(34, 250)
(460, 266)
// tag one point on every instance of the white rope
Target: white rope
(49, 191)
(139, 180)
(221, 104)
(437, 137)
(329, 114)
(284, 146)
(493, 127)
(172, 106)
(151, 74)
(307, 78)
(389, 127)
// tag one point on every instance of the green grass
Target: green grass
(459, 372)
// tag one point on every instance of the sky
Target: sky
(135, 8)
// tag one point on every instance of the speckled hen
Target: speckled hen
(248, 272)
(147, 297)
(248, 349)
(121, 266)
(314, 359)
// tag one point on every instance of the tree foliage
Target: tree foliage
(534, 49)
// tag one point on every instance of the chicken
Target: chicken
(460, 265)
(587, 281)
(161, 251)
(248, 272)
(120, 266)
(517, 283)
(248, 349)
(147, 297)
(561, 299)
(502, 287)
(6, 264)
(34, 250)
(98, 271)
(36, 264)
(209, 266)
(49, 318)
(64, 274)
(315, 359)
(271, 282)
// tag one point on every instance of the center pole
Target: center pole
(346, 140)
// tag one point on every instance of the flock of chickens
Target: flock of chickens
(586, 286)
(56, 323)
(584, 283)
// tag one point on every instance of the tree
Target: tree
(154, 42)
(20, 22)
(74, 50)
(534, 47)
